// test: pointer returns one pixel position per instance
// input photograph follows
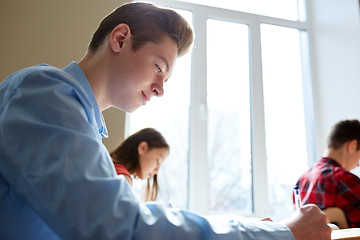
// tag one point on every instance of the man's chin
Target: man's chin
(127, 109)
(134, 109)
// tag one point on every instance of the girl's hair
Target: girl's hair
(343, 132)
(148, 23)
(127, 155)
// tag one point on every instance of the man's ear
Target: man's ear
(142, 147)
(352, 146)
(119, 36)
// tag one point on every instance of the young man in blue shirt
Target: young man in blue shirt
(57, 180)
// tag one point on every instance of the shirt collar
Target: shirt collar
(331, 161)
(74, 69)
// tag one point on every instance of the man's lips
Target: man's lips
(145, 97)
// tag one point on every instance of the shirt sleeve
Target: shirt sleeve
(52, 156)
(349, 197)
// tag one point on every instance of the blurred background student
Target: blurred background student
(329, 184)
(140, 156)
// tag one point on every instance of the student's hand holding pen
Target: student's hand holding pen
(309, 223)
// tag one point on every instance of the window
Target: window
(285, 9)
(284, 113)
(228, 111)
(237, 110)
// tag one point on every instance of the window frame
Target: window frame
(198, 162)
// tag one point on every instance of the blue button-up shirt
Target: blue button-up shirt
(57, 180)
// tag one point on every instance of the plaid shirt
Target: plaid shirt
(327, 184)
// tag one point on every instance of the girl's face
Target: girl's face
(150, 160)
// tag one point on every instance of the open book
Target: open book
(347, 233)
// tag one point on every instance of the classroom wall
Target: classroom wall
(56, 33)
(336, 35)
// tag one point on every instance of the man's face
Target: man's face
(355, 159)
(139, 75)
(353, 155)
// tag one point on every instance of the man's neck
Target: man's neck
(338, 156)
(93, 70)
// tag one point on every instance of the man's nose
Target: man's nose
(158, 90)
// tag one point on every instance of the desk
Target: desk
(346, 234)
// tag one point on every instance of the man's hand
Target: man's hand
(309, 223)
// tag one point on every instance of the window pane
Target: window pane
(228, 100)
(284, 115)
(286, 9)
(170, 115)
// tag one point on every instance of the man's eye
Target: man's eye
(158, 68)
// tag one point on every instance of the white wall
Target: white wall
(336, 45)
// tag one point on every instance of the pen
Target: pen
(297, 197)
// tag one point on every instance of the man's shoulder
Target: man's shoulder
(322, 171)
(43, 70)
(41, 75)
(35, 69)
(36, 72)
(346, 176)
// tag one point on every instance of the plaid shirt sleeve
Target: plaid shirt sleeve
(349, 197)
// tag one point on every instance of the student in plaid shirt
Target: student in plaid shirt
(329, 183)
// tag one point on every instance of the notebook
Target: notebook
(347, 233)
